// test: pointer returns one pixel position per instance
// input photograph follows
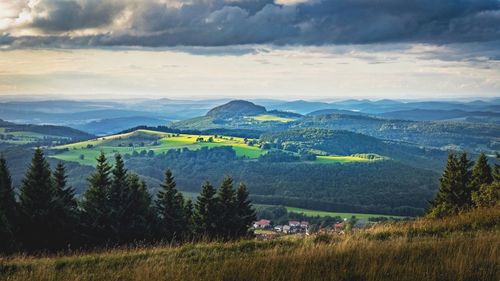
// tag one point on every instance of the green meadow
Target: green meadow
(340, 159)
(313, 213)
(85, 152)
(147, 140)
(271, 118)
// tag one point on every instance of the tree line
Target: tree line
(116, 209)
(465, 185)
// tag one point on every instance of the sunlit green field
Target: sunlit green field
(314, 213)
(340, 159)
(147, 140)
(271, 118)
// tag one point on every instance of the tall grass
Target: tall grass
(462, 248)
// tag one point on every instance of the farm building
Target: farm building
(262, 224)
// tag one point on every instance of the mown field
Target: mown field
(146, 140)
(461, 248)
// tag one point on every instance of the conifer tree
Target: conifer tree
(445, 199)
(137, 218)
(169, 204)
(189, 219)
(205, 213)
(37, 205)
(246, 214)
(96, 213)
(66, 208)
(226, 201)
(118, 199)
(481, 173)
(496, 170)
(454, 192)
(8, 210)
(464, 189)
(488, 195)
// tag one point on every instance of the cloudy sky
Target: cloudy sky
(250, 48)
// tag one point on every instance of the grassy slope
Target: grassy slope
(166, 141)
(340, 159)
(271, 118)
(466, 247)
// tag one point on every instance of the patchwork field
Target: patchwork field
(146, 140)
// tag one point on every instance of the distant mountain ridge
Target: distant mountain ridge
(430, 115)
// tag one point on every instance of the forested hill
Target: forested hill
(236, 108)
(445, 135)
(45, 130)
(325, 141)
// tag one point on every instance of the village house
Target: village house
(262, 224)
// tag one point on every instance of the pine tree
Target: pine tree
(464, 189)
(118, 199)
(169, 204)
(488, 195)
(496, 170)
(445, 199)
(37, 205)
(66, 208)
(137, 218)
(189, 219)
(8, 210)
(245, 211)
(454, 192)
(481, 173)
(226, 201)
(205, 214)
(96, 213)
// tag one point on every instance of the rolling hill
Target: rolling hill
(432, 115)
(116, 125)
(22, 134)
(239, 114)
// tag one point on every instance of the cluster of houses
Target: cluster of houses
(303, 227)
(293, 227)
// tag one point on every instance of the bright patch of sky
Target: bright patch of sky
(401, 71)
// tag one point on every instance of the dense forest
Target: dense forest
(375, 187)
(116, 209)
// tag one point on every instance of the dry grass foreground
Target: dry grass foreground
(465, 247)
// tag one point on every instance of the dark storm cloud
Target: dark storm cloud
(63, 15)
(153, 23)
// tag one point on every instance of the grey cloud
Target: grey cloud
(63, 15)
(234, 22)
